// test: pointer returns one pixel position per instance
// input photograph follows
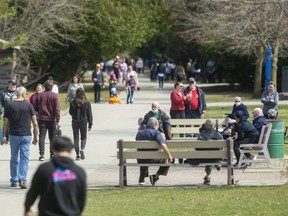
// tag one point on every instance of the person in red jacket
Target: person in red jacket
(33, 97)
(178, 99)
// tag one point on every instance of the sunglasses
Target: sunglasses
(237, 101)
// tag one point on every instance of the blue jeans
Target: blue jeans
(19, 165)
(192, 114)
(130, 96)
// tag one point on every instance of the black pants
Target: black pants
(144, 171)
(237, 144)
(79, 126)
(43, 127)
(97, 93)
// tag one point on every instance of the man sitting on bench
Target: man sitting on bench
(151, 133)
(162, 117)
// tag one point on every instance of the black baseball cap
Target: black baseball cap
(12, 81)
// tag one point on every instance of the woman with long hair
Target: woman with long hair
(80, 110)
(72, 88)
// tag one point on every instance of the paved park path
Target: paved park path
(119, 121)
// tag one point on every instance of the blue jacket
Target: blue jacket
(259, 122)
(246, 130)
(241, 107)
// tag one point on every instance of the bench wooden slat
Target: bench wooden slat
(192, 121)
(177, 130)
(175, 154)
(175, 164)
(175, 144)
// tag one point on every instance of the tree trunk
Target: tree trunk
(275, 61)
(258, 72)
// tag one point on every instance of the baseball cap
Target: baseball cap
(191, 79)
(97, 65)
(239, 114)
(12, 81)
(50, 78)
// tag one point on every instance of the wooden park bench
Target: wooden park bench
(128, 154)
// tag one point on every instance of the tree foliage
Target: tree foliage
(63, 35)
(237, 26)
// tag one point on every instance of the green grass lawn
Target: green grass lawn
(189, 201)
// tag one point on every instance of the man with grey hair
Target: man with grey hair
(18, 116)
(162, 117)
(151, 133)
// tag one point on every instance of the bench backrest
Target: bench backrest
(211, 149)
(190, 125)
(265, 133)
(182, 126)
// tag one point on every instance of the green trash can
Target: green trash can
(276, 139)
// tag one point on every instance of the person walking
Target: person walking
(161, 74)
(196, 105)
(60, 184)
(6, 96)
(180, 72)
(270, 99)
(152, 134)
(81, 112)
(55, 88)
(98, 79)
(72, 88)
(18, 116)
(48, 107)
(39, 89)
(130, 86)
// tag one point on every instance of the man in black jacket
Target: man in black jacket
(98, 79)
(246, 133)
(60, 184)
(161, 116)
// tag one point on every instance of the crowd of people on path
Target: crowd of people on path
(165, 70)
(43, 113)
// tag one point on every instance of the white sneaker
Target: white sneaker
(142, 183)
